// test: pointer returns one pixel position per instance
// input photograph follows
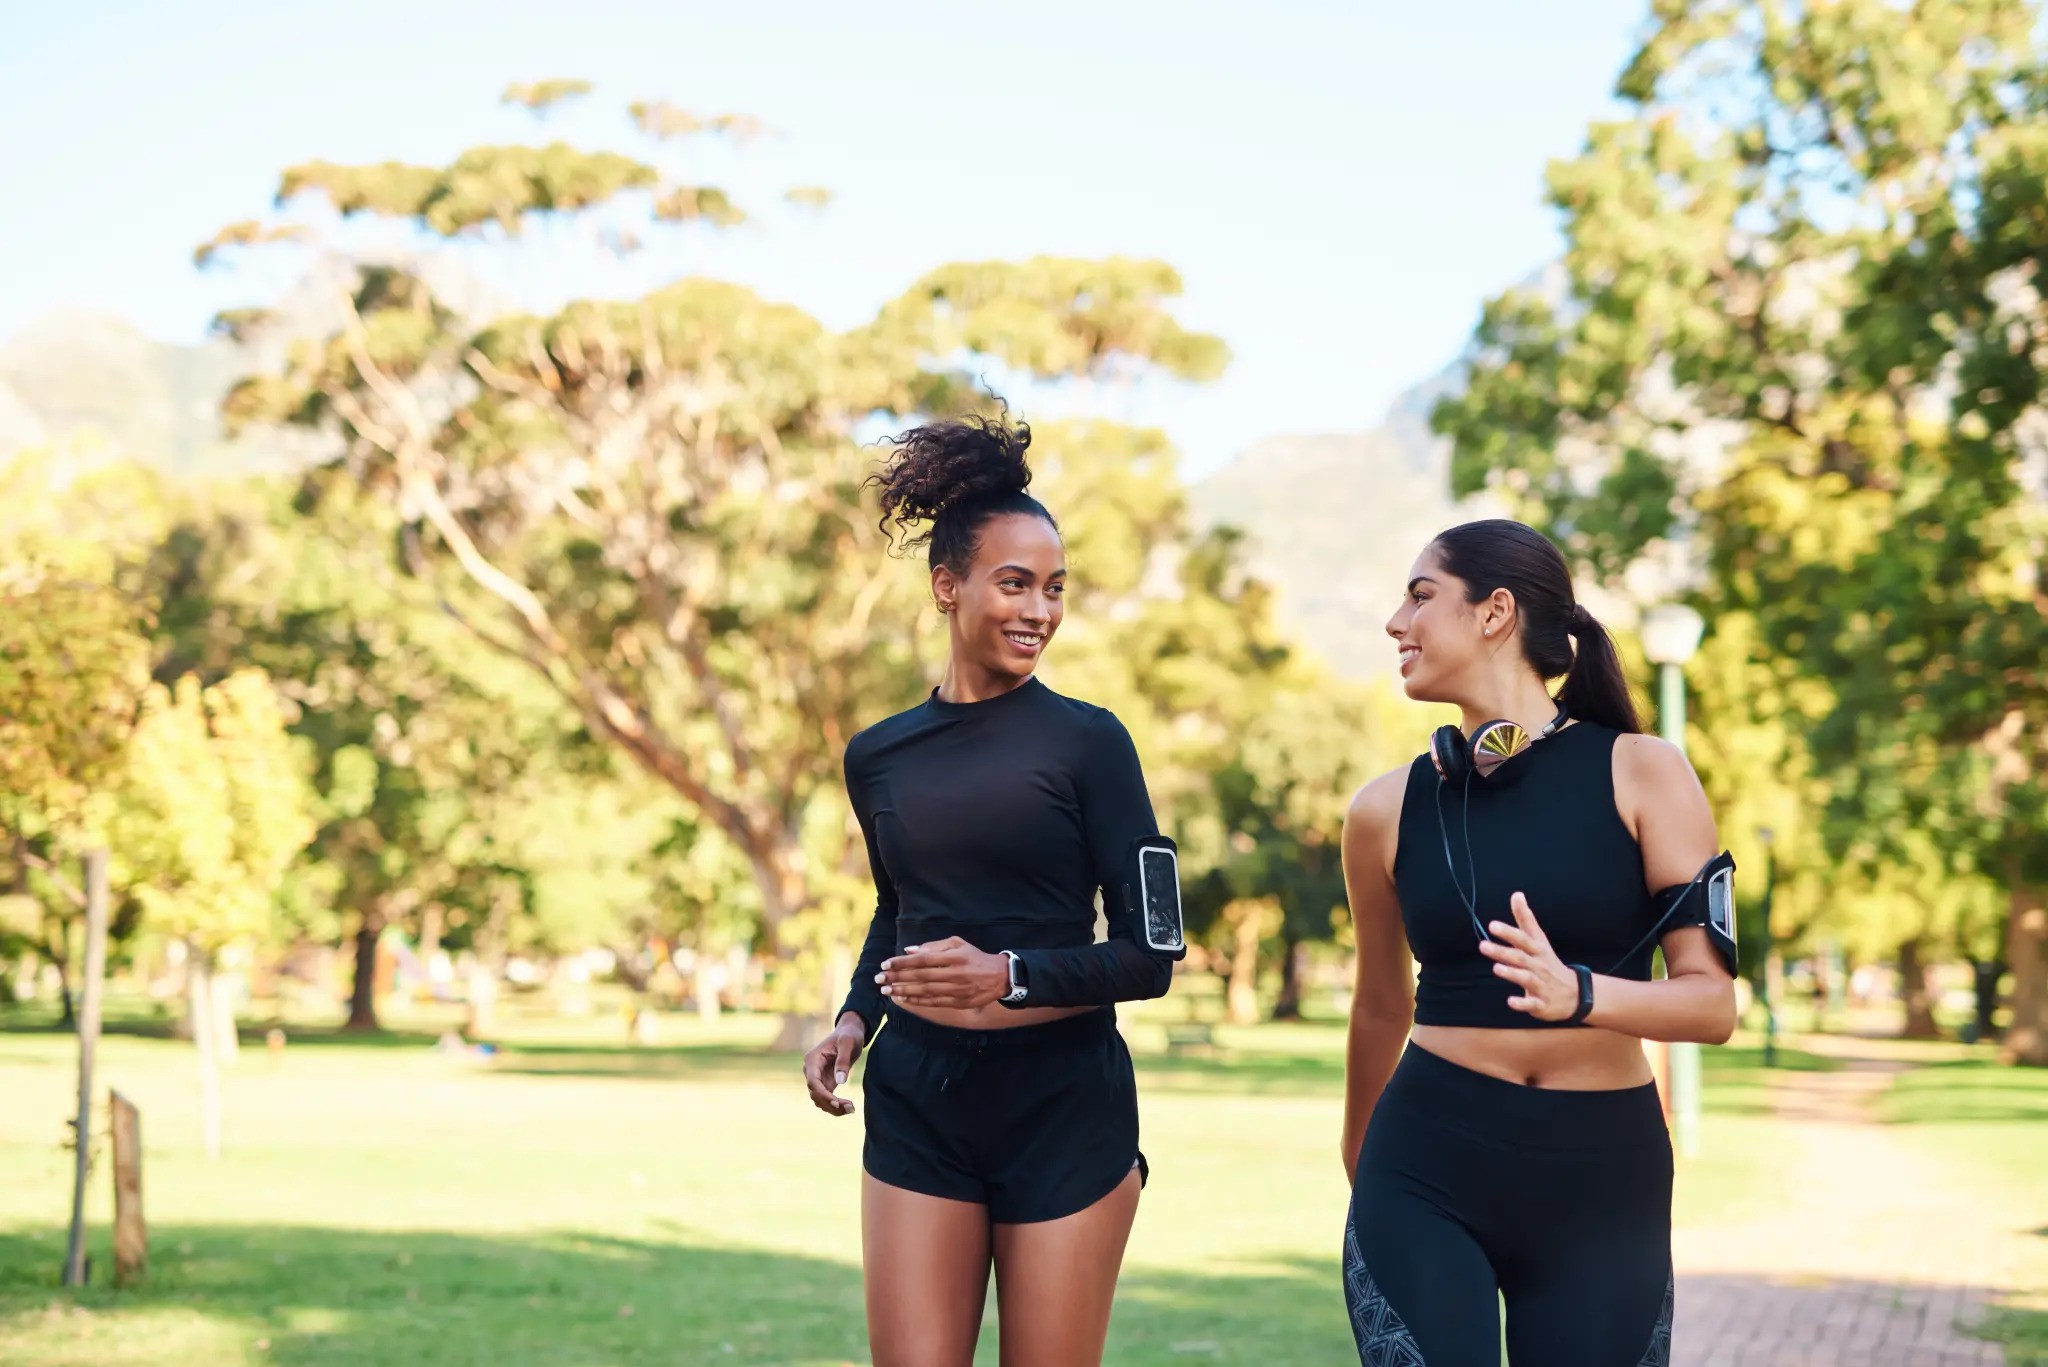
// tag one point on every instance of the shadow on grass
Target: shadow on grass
(1749, 1058)
(662, 1063)
(1968, 1091)
(316, 1297)
(352, 1298)
(1734, 1076)
(1228, 1070)
(251, 1033)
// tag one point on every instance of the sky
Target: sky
(1340, 185)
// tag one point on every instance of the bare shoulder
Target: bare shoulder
(1372, 823)
(1660, 798)
(1650, 768)
(1377, 805)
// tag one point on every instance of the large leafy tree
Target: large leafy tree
(1794, 359)
(454, 801)
(653, 504)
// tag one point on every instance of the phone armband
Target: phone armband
(1707, 901)
(1152, 896)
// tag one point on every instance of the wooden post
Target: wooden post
(131, 1233)
(88, 1040)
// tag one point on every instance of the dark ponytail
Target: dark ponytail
(952, 477)
(1500, 554)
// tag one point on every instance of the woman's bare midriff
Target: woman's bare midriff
(993, 1016)
(1583, 1060)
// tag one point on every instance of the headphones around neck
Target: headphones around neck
(1493, 744)
(1458, 760)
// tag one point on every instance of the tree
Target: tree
(1789, 362)
(654, 505)
(211, 812)
(1252, 748)
(441, 771)
(1280, 800)
(72, 667)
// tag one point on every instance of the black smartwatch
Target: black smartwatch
(1585, 977)
(1020, 988)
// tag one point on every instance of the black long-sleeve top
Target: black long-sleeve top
(997, 821)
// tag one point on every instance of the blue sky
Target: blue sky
(1339, 184)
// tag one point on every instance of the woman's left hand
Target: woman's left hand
(946, 973)
(1521, 953)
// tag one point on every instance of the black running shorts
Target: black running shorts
(1035, 1122)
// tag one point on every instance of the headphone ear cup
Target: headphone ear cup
(1451, 754)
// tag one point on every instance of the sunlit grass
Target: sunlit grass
(578, 1200)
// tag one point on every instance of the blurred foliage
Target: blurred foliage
(559, 639)
(654, 505)
(1797, 355)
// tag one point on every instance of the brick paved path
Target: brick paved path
(1868, 1259)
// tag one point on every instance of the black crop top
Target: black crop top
(997, 821)
(1544, 824)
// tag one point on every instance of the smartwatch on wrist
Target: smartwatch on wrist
(1019, 988)
(1585, 977)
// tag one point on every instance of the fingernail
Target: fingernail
(912, 949)
(888, 991)
(881, 977)
(840, 1079)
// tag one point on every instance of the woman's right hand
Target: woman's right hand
(827, 1065)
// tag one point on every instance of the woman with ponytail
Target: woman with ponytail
(1002, 1115)
(1511, 1144)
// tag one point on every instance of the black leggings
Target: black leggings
(1559, 1201)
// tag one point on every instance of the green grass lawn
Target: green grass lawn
(579, 1203)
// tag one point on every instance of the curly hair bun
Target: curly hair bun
(951, 465)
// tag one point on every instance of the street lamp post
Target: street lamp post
(1768, 978)
(1671, 633)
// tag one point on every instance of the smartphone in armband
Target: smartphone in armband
(1720, 872)
(1152, 893)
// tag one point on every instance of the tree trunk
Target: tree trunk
(2026, 1039)
(362, 1005)
(88, 1042)
(1292, 951)
(488, 971)
(432, 917)
(704, 987)
(1242, 992)
(223, 989)
(627, 966)
(1919, 995)
(57, 950)
(778, 871)
(199, 993)
(1985, 977)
